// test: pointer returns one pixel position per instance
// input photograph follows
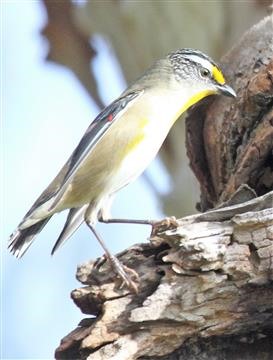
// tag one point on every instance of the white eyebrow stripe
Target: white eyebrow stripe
(205, 63)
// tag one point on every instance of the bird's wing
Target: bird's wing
(93, 135)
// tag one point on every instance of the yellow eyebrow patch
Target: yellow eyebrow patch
(218, 76)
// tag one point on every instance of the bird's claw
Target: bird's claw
(127, 276)
(100, 261)
(164, 224)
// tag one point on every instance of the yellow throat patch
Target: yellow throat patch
(193, 100)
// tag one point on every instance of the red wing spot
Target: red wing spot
(110, 117)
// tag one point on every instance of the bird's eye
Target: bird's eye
(204, 72)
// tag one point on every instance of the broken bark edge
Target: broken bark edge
(202, 285)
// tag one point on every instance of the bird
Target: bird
(118, 146)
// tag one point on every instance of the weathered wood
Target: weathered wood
(209, 277)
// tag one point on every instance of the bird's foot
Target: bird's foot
(164, 224)
(127, 277)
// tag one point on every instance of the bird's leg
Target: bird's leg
(157, 225)
(125, 273)
(105, 216)
(128, 221)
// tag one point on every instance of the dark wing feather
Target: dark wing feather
(94, 133)
(21, 240)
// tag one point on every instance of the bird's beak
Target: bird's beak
(226, 90)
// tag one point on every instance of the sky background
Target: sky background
(44, 112)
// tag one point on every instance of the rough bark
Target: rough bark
(201, 284)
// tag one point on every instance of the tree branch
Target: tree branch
(68, 46)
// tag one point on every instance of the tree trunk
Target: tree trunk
(205, 289)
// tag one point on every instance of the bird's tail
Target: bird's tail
(74, 219)
(21, 239)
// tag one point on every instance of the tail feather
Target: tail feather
(21, 240)
(74, 219)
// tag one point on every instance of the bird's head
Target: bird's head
(198, 74)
